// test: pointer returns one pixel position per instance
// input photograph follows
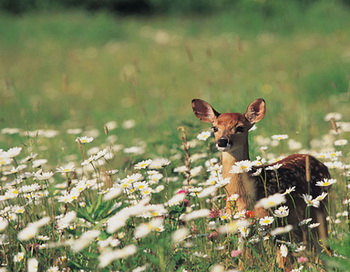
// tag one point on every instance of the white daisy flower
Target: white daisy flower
(244, 231)
(18, 209)
(108, 257)
(281, 230)
(203, 136)
(265, 221)
(289, 190)
(282, 212)
(233, 197)
(341, 142)
(310, 201)
(3, 224)
(43, 176)
(305, 221)
(31, 230)
(284, 250)
(145, 228)
(294, 145)
(128, 124)
(240, 214)
(18, 257)
(333, 115)
(140, 185)
(301, 248)
(134, 150)
(314, 225)
(298, 269)
(279, 137)
(222, 182)
(273, 167)
(257, 172)
(233, 226)
(241, 167)
(334, 165)
(143, 164)
(43, 238)
(112, 193)
(15, 170)
(271, 201)
(111, 125)
(225, 216)
(65, 221)
(85, 239)
(66, 169)
(5, 161)
(132, 178)
(196, 214)
(180, 234)
(10, 130)
(146, 191)
(176, 199)
(207, 191)
(159, 163)
(180, 169)
(154, 177)
(13, 152)
(321, 196)
(32, 265)
(84, 139)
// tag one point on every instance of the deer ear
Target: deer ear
(204, 111)
(256, 111)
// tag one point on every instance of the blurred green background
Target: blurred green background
(79, 64)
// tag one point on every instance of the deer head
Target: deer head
(230, 129)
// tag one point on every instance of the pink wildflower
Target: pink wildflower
(215, 213)
(236, 253)
(302, 259)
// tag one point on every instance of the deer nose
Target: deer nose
(222, 142)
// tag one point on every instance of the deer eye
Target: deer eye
(215, 129)
(239, 129)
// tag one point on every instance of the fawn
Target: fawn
(301, 171)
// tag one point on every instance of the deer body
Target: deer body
(241, 184)
(299, 171)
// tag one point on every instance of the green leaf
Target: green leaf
(90, 255)
(74, 265)
(103, 209)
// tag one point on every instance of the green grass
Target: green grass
(119, 61)
(79, 70)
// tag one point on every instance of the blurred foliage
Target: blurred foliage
(266, 7)
(341, 260)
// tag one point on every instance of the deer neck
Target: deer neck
(241, 184)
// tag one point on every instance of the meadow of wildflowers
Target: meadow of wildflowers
(95, 174)
(157, 213)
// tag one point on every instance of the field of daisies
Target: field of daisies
(158, 213)
(104, 167)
